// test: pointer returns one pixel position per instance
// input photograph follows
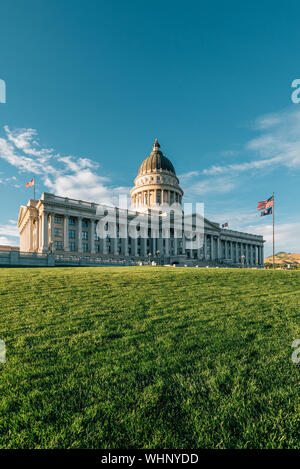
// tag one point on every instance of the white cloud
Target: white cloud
(185, 177)
(26, 140)
(84, 185)
(9, 234)
(69, 176)
(278, 145)
(287, 236)
(4, 241)
(220, 185)
(9, 230)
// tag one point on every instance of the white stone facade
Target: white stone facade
(149, 232)
(66, 226)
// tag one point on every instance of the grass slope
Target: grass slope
(149, 357)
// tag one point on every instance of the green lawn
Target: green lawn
(149, 357)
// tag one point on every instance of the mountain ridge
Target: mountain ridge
(284, 258)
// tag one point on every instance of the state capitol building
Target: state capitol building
(84, 231)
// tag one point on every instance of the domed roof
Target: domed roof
(156, 161)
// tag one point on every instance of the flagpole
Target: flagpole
(273, 231)
(34, 188)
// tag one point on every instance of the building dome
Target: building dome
(156, 162)
(156, 183)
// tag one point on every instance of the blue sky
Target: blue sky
(91, 84)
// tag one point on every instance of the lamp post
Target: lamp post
(149, 258)
(243, 261)
(158, 257)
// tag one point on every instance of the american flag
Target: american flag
(265, 203)
(30, 183)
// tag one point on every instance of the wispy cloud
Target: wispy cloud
(5, 241)
(9, 234)
(278, 145)
(65, 175)
(185, 177)
(220, 185)
(287, 236)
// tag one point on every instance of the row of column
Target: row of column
(253, 253)
(118, 246)
(150, 196)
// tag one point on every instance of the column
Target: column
(134, 246)
(175, 245)
(205, 247)
(183, 243)
(103, 245)
(92, 236)
(159, 244)
(124, 237)
(167, 243)
(124, 246)
(116, 245)
(226, 249)
(262, 256)
(40, 233)
(79, 234)
(218, 248)
(37, 233)
(52, 231)
(30, 226)
(212, 250)
(247, 254)
(44, 231)
(66, 233)
(153, 246)
(143, 246)
(199, 247)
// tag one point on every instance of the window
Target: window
(57, 219)
(84, 223)
(72, 246)
(58, 245)
(85, 235)
(72, 221)
(85, 247)
(71, 234)
(57, 232)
